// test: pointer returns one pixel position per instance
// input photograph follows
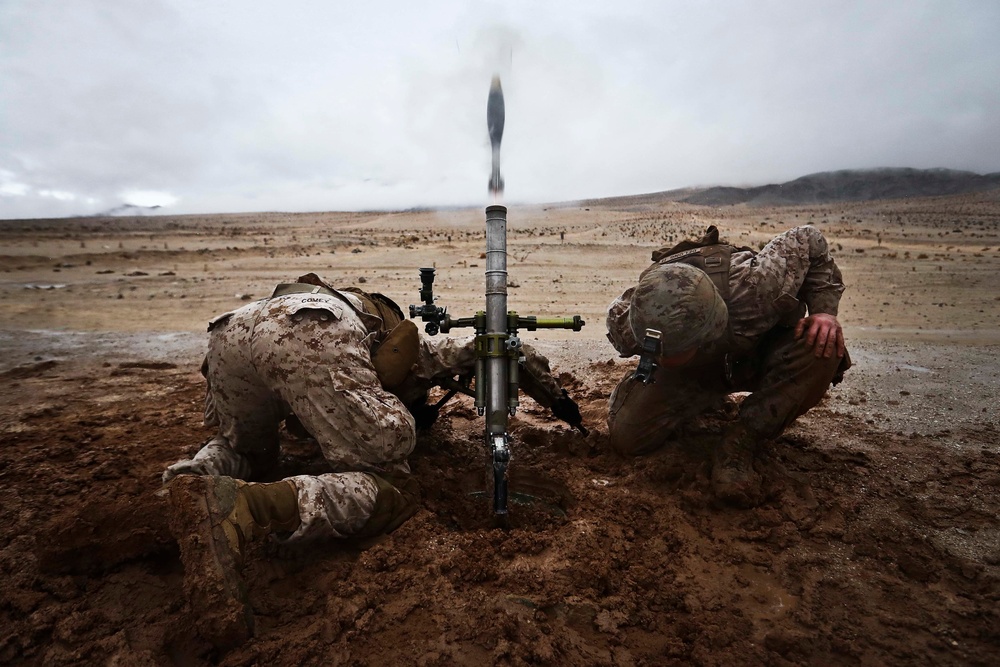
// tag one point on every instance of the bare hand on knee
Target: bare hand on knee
(823, 333)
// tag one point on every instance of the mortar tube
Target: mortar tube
(496, 316)
(496, 363)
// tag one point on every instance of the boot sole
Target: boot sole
(215, 590)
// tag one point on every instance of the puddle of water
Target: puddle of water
(526, 487)
(524, 500)
(20, 347)
(967, 336)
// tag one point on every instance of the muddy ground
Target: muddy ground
(879, 542)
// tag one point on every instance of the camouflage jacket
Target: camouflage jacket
(438, 358)
(790, 275)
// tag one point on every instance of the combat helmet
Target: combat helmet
(680, 302)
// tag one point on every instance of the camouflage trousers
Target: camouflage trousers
(309, 356)
(784, 376)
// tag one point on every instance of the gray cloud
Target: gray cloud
(239, 106)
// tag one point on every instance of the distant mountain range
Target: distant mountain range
(833, 186)
(124, 210)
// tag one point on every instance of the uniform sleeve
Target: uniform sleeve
(824, 283)
(799, 261)
(446, 357)
(619, 330)
(437, 357)
(536, 378)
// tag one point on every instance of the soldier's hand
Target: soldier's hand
(566, 409)
(187, 467)
(424, 415)
(823, 333)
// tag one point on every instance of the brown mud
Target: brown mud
(879, 541)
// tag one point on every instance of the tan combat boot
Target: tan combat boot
(213, 519)
(734, 480)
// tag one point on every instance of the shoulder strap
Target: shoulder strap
(379, 304)
(709, 253)
(373, 303)
(713, 260)
(710, 237)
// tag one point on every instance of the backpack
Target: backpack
(707, 253)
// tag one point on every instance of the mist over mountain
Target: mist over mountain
(850, 185)
(826, 187)
(125, 210)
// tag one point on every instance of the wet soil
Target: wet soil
(878, 543)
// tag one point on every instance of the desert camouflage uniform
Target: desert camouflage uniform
(311, 355)
(769, 292)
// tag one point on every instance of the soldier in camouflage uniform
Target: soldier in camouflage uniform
(348, 368)
(731, 320)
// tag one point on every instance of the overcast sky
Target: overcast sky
(257, 105)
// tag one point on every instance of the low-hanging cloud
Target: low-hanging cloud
(241, 106)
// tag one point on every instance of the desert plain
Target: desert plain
(879, 541)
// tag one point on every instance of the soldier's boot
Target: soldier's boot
(214, 519)
(734, 480)
(397, 501)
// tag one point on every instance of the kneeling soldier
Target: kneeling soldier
(346, 367)
(711, 319)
